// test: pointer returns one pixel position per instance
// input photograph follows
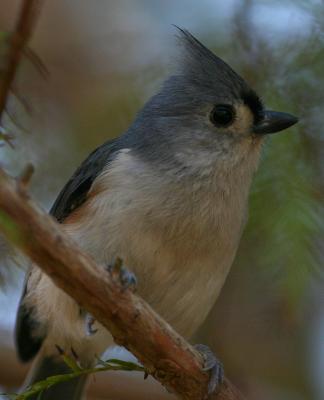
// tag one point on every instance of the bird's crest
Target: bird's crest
(201, 65)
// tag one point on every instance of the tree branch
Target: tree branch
(131, 321)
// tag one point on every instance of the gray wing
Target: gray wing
(71, 197)
(76, 189)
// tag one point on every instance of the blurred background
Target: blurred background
(105, 58)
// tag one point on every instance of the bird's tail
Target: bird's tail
(48, 366)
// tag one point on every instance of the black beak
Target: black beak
(273, 122)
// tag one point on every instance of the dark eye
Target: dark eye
(222, 115)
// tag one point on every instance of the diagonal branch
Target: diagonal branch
(131, 321)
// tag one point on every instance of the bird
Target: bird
(169, 197)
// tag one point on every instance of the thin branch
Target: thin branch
(109, 365)
(36, 62)
(26, 175)
(6, 137)
(18, 42)
(131, 321)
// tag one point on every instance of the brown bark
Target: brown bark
(131, 321)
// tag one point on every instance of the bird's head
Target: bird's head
(206, 112)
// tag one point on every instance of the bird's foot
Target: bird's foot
(71, 357)
(89, 323)
(213, 366)
(125, 277)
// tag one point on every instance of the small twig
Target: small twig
(76, 371)
(36, 62)
(25, 177)
(18, 42)
(22, 100)
(15, 122)
(6, 137)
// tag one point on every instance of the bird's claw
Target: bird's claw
(126, 278)
(89, 321)
(213, 366)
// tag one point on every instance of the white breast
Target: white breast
(177, 234)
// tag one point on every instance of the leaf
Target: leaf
(109, 365)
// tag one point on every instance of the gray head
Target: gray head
(204, 113)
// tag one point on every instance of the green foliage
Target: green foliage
(286, 212)
(112, 364)
(284, 216)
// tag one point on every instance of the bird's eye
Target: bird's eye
(222, 115)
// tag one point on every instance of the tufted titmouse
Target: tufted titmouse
(169, 197)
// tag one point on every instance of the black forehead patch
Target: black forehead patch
(253, 101)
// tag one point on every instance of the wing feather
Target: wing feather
(72, 196)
